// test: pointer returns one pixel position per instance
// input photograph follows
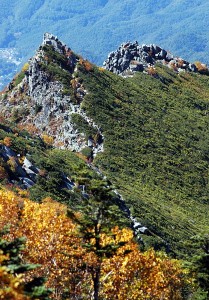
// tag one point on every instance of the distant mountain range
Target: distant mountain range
(97, 27)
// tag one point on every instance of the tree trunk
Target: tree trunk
(96, 280)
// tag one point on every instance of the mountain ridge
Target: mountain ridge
(152, 131)
(38, 81)
(178, 26)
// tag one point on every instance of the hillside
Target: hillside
(94, 29)
(47, 246)
(148, 134)
(155, 146)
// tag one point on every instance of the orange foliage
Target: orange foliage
(49, 140)
(42, 172)
(53, 241)
(138, 275)
(152, 71)
(3, 173)
(28, 127)
(2, 118)
(81, 156)
(202, 68)
(56, 247)
(87, 65)
(74, 83)
(10, 285)
(7, 141)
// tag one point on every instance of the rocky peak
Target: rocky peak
(132, 57)
(52, 40)
(46, 95)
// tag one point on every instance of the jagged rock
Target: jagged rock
(169, 57)
(8, 151)
(121, 60)
(192, 67)
(26, 182)
(49, 108)
(50, 39)
(163, 54)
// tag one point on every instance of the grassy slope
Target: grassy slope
(156, 146)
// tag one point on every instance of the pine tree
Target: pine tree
(12, 272)
(99, 214)
(200, 263)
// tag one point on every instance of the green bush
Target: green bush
(87, 152)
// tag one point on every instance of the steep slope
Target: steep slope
(154, 130)
(29, 166)
(155, 149)
(96, 28)
(45, 97)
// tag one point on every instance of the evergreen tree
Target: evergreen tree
(12, 269)
(201, 263)
(99, 214)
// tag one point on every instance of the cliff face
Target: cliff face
(46, 94)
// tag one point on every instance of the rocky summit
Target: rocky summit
(132, 57)
(46, 95)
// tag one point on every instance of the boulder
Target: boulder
(192, 68)
(156, 49)
(169, 56)
(163, 54)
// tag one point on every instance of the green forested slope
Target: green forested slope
(156, 146)
(59, 174)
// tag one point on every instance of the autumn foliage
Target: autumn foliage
(47, 139)
(86, 64)
(7, 141)
(10, 285)
(54, 242)
(202, 68)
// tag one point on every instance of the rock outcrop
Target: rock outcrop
(43, 99)
(47, 93)
(132, 57)
(50, 39)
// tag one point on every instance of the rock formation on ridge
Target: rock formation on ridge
(132, 57)
(46, 95)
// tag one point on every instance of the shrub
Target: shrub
(87, 152)
(25, 67)
(49, 140)
(202, 68)
(151, 71)
(7, 141)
